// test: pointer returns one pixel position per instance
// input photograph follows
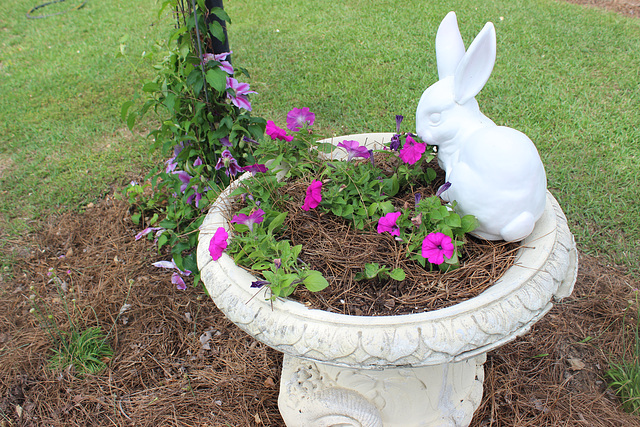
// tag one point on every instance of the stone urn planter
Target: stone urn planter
(422, 369)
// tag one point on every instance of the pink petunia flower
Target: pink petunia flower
(354, 149)
(388, 223)
(297, 118)
(314, 196)
(218, 243)
(437, 246)
(256, 217)
(412, 150)
(277, 133)
(241, 90)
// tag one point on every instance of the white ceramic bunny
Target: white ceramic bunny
(495, 172)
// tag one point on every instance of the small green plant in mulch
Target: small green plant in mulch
(86, 349)
(624, 377)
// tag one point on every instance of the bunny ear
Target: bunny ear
(476, 65)
(449, 46)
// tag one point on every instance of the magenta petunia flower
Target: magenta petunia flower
(314, 196)
(255, 168)
(297, 118)
(437, 246)
(412, 150)
(255, 217)
(241, 90)
(354, 149)
(218, 243)
(277, 133)
(388, 223)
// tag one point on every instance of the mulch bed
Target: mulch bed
(179, 362)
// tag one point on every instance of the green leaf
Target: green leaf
(453, 220)
(468, 223)
(136, 218)
(398, 274)
(131, 120)
(217, 79)
(217, 31)
(314, 281)
(125, 109)
(168, 224)
(277, 222)
(220, 13)
(151, 87)
(371, 270)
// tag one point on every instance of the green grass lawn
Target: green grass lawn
(565, 75)
(62, 87)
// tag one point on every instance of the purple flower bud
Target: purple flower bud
(398, 121)
(444, 187)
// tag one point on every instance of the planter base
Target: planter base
(317, 394)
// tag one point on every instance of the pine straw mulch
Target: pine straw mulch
(179, 362)
(332, 246)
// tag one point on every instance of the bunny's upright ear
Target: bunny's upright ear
(475, 67)
(449, 46)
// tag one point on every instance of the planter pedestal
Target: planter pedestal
(318, 394)
(422, 369)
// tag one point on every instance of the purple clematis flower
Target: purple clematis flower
(255, 168)
(277, 133)
(297, 118)
(176, 277)
(185, 178)
(197, 162)
(231, 165)
(218, 243)
(388, 223)
(354, 149)
(241, 90)
(225, 141)
(412, 150)
(146, 231)
(313, 196)
(224, 65)
(255, 217)
(437, 246)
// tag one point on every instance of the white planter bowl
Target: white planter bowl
(455, 338)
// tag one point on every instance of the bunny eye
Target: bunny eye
(434, 117)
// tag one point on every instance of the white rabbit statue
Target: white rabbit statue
(495, 172)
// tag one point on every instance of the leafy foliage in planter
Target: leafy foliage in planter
(360, 192)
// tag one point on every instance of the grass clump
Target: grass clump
(624, 377)
(84, 348)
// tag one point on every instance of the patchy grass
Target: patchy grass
(63, 142)
(565, 75)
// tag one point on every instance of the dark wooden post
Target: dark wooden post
(217, 45)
